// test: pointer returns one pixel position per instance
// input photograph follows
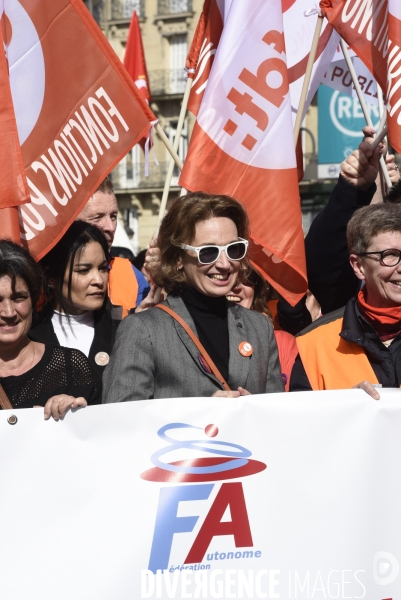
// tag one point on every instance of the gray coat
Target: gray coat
(154, 357)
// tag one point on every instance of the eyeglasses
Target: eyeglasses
(207, 255)
(388, 258)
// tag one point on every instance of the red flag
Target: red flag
(373, 30)
(77, 110)
(242, 144)
(134, 58)
(13, 186)
(203, 48)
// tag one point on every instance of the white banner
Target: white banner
(271, 496)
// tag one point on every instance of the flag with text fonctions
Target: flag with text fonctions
(77, 111)
(242, 143)
(373, 30)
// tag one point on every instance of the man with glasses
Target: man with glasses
(360, 346)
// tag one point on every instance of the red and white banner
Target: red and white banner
(299, 18)
(373, 30)
(77, 110)
(242, 143)
(272, 496)
(203, 48)
(134, 58)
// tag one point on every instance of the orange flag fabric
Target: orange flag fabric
(13, 186)
(373, 30)
(77, 111)
(203, 48)
(242, 143)
(134, 58)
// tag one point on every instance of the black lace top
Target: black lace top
(59, 371)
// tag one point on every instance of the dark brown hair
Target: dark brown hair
(178, 227)
(16, 261)
(368, 222)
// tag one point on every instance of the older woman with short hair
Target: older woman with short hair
(201, 346)
(33, 373)
(360, 346)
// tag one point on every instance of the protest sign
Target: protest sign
(270, 496)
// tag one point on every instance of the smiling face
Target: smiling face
(89, 280)
(216, 279)
(383, 284)
(15, 311)
(242, 294)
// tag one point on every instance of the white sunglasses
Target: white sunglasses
(207, 255)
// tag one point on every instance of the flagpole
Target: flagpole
(307, 78)
(364, 107)
(169, 146)
(170, 170)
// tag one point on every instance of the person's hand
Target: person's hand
(57, 406)
(151, 299)
(362, 166)
(392, 168)
(369, 389)
(152, 257)
(231, 393)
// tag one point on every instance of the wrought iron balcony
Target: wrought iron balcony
(131, 177)
(174, 7)
(123, 9)
(167, 81)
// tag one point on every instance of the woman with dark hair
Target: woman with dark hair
(194, 343)
(75, 313)
(33, 373)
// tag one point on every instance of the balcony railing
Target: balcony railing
(173, 7)
(123, 9)
(155, 179)
(167, 81)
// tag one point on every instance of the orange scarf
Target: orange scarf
(385, 321)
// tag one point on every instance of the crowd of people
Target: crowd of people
(81, 327)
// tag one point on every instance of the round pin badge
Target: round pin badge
(245, 348)
(102, 359)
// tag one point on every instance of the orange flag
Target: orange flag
(373, 31)
(13, 186)
(77, 110)
(203, 48)
(134, 58)
(242, 143)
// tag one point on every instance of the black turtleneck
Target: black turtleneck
(210, 317)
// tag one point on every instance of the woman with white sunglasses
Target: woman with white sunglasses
(196, 343)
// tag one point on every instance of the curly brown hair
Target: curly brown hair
(178, 228)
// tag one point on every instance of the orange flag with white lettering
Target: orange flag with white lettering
(373, 30)
(242, 143)
(77, 111)
(203, 48)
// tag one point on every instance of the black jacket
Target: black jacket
(385, 361)
(103, 341)
(330, 276)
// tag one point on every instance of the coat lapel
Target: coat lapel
(179, 307)
(238, 366)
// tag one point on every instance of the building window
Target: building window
(123, 9)
(178, 55)
(129, 173)
(174, 7)
(182, 148)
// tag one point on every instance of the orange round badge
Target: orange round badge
(245, 348)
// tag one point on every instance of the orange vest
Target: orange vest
(123, 286)
(330, 362)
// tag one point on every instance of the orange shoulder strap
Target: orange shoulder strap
(123, 285)
(197, 343)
